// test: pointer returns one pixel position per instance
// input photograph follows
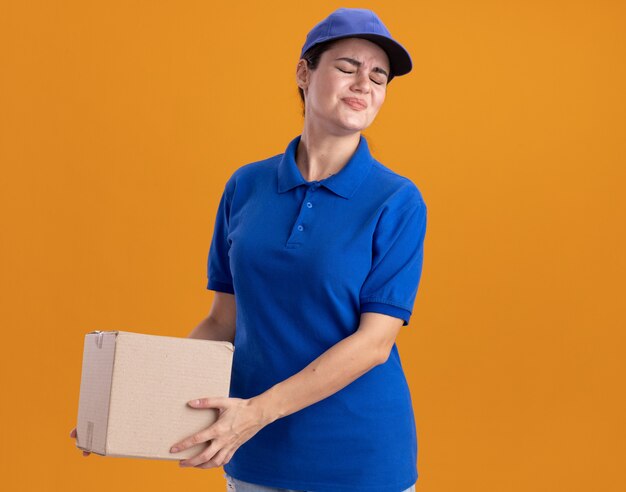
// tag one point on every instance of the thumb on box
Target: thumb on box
(214, 402)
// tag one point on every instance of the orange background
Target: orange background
(120, 122)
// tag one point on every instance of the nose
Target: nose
(361, 82)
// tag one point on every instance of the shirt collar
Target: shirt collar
(344, 183)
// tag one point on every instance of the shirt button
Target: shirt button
(309, 204)
(300, 228)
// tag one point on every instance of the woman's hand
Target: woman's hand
(74, 435)
(238, 420)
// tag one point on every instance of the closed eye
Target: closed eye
(344, 71)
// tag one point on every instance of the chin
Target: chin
(357, 127)
(356, 124)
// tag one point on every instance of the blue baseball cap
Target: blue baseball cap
(360, 23)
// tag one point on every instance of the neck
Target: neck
(320, 154)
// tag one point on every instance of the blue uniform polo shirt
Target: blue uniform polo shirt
(304, 259)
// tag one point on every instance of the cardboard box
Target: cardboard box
(134, 391)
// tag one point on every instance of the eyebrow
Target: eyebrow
(357, 63)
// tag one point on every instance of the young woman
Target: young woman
(315, 262)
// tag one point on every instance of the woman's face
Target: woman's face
(344, 93)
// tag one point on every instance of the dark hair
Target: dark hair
(312, 57)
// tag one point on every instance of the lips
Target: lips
(355, 103)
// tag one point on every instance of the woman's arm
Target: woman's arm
(340, 365)
(240, 419)
(220, 323)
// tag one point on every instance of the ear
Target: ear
(302, 74)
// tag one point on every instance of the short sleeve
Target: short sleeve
(397, 257)
(218, 263)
